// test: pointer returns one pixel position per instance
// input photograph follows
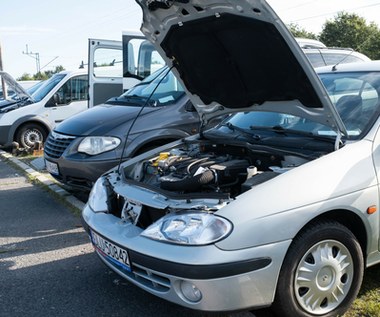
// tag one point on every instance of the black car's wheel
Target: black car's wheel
(30, 133)
(321, 274)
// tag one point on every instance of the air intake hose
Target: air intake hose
(190, 184)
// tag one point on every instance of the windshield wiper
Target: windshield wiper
(241, 130)
(133, 100)
(281, 130)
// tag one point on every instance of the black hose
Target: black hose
(190, 184)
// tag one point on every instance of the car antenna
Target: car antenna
(342, 60)
(138, 114)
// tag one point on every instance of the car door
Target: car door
(116, 66)
(70, 98)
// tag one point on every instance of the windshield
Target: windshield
(356, 97)
(33, 89)
(254, 122)
(354, 94)
(47, 86)
(168, 92)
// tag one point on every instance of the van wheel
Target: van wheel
(321, 274)
(30, 133)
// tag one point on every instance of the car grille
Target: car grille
(150, 279)
(56, 144)
(141, 275)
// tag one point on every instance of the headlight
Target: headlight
(98, 196)
(93, 145)
(189, 228)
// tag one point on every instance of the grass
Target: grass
(368, 302)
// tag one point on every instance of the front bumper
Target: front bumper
(5, 139)
(80, 174)
(227, 280)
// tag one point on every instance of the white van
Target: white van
(28, 118)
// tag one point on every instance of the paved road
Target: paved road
(47, 265)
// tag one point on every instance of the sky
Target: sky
(59, 31)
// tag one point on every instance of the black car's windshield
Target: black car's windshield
(47, 86)
(356, 97)
(168, 91)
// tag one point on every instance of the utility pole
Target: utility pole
(1, 60)
(36, 56)
(2, 82)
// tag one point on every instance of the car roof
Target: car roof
(337, 50)
(309, 43)
(351, 67)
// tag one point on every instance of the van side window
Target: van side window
(75, 89)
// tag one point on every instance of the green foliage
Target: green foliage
(351, 30)
(41, 75)
(298, 31)
(25, 76)
(371, 47)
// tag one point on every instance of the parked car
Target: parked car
(30, 117)
(333, 55)
(277, 205)
(321, 55)
(85, 146)
(309, 43)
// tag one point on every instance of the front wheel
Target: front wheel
(29, 134)
(321, 274)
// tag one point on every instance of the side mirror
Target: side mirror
(53, 101)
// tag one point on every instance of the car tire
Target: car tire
(321, 274)
(30, 133)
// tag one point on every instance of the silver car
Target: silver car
(277, 205)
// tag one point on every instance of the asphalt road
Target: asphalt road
(48, 267)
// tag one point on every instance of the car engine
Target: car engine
(213, 168)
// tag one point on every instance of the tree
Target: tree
(351, 30)
(42, 75)
(298, 31)
(25, 76)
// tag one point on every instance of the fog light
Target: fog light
(190, 292)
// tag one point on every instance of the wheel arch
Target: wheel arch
(18, 124)
(346, 218)
(154, 138)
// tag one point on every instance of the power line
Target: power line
(326, 14)
(298, 6)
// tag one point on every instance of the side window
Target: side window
(108, 62)
(79, 88)
(315, 59)
(75, 89)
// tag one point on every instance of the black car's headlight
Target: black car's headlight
(94, 145)
(193, 228)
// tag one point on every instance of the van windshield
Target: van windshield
(168, 92)
(47, 86)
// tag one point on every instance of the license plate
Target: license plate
(51, 167)
(112, 252)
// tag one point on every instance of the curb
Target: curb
(50, 184)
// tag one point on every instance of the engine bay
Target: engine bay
(210, 168)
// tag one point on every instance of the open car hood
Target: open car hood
(236, 55)
(13, 85)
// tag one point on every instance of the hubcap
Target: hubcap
(32, 136)
(324, 277)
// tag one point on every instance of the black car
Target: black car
(153, 113)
